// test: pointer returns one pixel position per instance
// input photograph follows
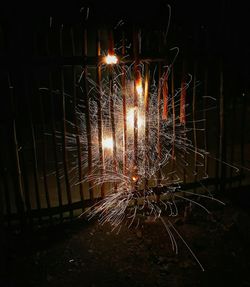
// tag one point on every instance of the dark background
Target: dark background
(201, 29)
(209, 32)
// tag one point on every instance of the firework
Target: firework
(135, 135)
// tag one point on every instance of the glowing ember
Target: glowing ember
(107, 143)
(111, 59)
(135, 178)
(130, 119)
(139, 88)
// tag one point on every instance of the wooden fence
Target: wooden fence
(39, 97)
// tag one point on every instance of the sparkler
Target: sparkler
(145, 174)
(137, 140)
(135, 191)
(148, 188)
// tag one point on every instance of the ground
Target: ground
(83, 253)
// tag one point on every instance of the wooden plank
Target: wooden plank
(44, 154)
(99, 111)
(87, 117)
(124, 108)
(6, 190)
(34, 161)
(205, 126)
(19, 194)
(243, 131)
(183, 120)
(146, 102)
(233, 127)
(23, 162)
(56, 159)
(159, 119)
(76, 122)
(137, 77)
(173, 121)
(222, 133)
(194, 125)
(53, 125)
(17, 174)
(64, 131)
(111, 106)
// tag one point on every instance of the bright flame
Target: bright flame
(107, 143)
(111, 59)
(130, 119)
(139, 88)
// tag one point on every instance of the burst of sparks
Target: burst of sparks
(131, 190)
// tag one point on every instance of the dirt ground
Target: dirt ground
(83, 253)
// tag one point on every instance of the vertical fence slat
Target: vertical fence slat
(111, 105)
(87, 116)
(99, 110)
(64, 131)
(242, 140)
(19, 195)
(18, 189)
(44, 155)
(136, 75)
(76, 122)
(232, 140)
(173, 120)
(6, 191)
(23, 165)
(221, 135)
(159, 118)
(146, 101)
(34, 162)
(205, 126)
(183, 120)
(53, 128)
(194, 125)
(124, 105)
(26, 188)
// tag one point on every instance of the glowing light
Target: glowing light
(111, 59)
(130, 119)
(107, 143)
(139, 88)
(135, 178)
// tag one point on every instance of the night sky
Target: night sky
(203, 30)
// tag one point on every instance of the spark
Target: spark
(111, 59)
